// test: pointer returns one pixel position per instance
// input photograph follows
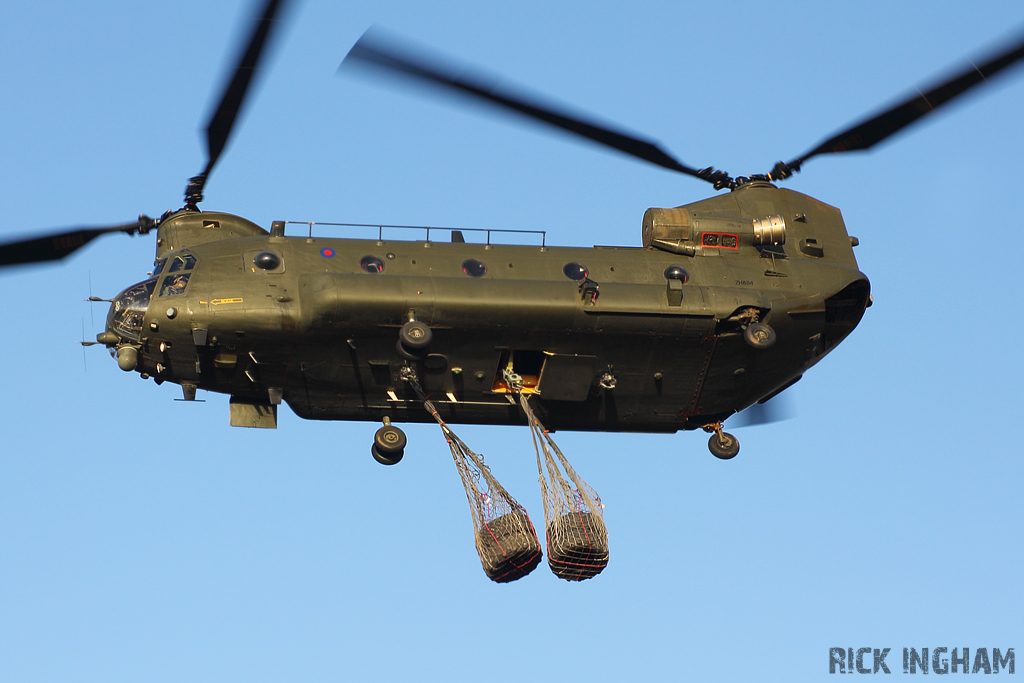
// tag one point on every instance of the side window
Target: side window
(175, 284)
(371, 264)
(182, 262)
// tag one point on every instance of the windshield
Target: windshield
(129, 308)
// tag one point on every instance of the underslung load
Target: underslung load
(573, 513)
(505, 537)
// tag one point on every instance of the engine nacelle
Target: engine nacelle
(757, 215)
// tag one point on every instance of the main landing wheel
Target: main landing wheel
(723, 445)
(759, 335)
(389, 445)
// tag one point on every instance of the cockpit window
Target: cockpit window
(129, 308)
(175, 284)
(182, 262)
(159, 266)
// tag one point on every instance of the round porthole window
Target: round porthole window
(267, 260)
(371, 264)
(677, 273)
(474, 268)
(575, 271)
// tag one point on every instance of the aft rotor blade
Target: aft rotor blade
(402, 60)
(218, 129)
(777, 409)
(868, 133)
(56, 246)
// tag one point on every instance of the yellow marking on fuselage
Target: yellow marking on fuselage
(233, 300)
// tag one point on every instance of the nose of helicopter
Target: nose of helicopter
(128, 309)
(124, 323)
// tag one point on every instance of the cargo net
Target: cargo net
(573, 513)
(505, 538)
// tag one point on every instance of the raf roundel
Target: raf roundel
(327, 252)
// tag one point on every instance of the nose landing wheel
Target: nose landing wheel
(413, 339)
(388, 444)
(722, 445)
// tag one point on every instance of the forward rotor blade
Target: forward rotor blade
(402, 60)
(870, 132)
(56, 246)
(218, 129)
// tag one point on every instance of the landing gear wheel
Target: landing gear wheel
(410, 354)
(723, 445)
(415, 336)
(389, 440)
(386, 459)
(759, 335)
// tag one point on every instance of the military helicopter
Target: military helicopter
(729, 301)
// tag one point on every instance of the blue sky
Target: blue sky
(145, 539)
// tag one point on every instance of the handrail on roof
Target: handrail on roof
(278, 229)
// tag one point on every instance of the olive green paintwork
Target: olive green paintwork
(323, 332)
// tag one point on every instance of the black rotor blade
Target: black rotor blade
(402, 60)
(218, 129)
(870, 132)
(56, 246)
(777, 409)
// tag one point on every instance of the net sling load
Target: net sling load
(573, 512)
(505, 537)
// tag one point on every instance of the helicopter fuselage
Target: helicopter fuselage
(646, 339)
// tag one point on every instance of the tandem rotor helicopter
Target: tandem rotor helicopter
(729, 301)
